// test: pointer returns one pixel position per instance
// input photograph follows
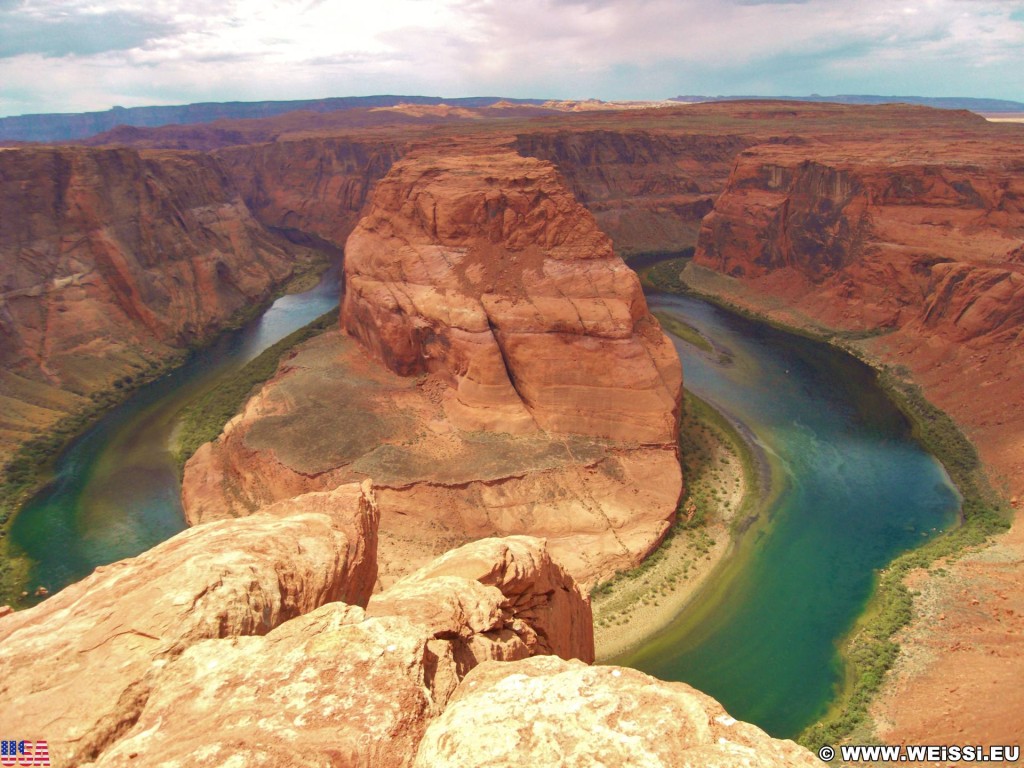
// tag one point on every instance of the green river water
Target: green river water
(853, 491)
(115, 490)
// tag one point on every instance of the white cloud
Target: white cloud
(89, 54)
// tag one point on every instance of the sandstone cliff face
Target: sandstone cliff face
(110, 259)
(647, 190)
(484, 269)
(78, 663)
(918, 240)
(898, 239)
(314, 186)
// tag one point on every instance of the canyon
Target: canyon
(518, 383)
(922, 256)
(113, 262)
(895, 229)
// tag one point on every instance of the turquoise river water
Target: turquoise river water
(853, 491)
(115, 491)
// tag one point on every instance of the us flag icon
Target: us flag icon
(24, 753)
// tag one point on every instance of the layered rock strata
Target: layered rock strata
(536, 393)
(647, 189)
(310, 186)
(484, 269)
(110, 260)
(900, 244)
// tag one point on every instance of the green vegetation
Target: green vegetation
(684, 331)
(664, 275)
(870, 650)
(204, 419)
(29, 469)
(703, 434)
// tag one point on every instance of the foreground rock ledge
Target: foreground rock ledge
(443, 667)
(75, 669)
(569, 714)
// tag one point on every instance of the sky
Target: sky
(86, 55)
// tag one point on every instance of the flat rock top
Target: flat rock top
(331, 407)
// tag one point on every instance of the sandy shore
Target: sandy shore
(639, 603)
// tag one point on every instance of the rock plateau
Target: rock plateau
(529, 390)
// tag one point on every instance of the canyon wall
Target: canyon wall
(310, 186)
(112, 259)
(647, 190)
(921, 254)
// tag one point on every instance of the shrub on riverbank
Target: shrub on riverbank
(204, 419)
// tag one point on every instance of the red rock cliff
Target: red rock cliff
(483, 268)
(647, 190)
(921, 243)
(313, 186)
(109, 259)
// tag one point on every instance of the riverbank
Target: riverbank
(725, 475)
(887, 636)
(204, 419)
(32, 465)
(722, 476)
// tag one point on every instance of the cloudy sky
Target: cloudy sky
(79, 55)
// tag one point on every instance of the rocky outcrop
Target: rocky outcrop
(212, 663)
(571, 714)
(483, 268)
(109, 261)
(340, 685)
(332, 416)
(79, 663)
(914, 245)
(537, 395)
(541, 606)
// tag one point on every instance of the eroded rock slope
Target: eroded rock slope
(917, 246)
(110, 260)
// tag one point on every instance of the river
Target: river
(115, 490)
(853, 491)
